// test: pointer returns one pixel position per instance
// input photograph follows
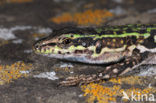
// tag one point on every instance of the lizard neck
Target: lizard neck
(149, 44)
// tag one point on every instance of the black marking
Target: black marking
(119, 32)
(98, 47)
(103, 32)
(128, 41)
(59, 52)
(129, 30)
(68, 52)
(133, 39)
(142, 31)
(107, 32)
(98, 50)
(50, 44)
(78, 51)
(153, 33)
(88, 51)
(45, 49)
(150, 25)
(149, 43)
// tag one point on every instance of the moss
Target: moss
(12, 72)
(88, 17)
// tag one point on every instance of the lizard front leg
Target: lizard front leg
(111, 71)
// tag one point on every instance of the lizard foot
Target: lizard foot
(78, 80)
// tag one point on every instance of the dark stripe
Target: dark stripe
(107, 32)
(129, 30)
(119, 32)
(50, 44)
(142, 31)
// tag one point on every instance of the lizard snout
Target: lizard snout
(37, 46)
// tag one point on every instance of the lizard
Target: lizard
(125, 46)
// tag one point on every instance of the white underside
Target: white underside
(144, 49)
(82, 59)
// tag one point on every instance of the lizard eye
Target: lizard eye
(67, 41)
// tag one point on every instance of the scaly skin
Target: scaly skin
(126, 46)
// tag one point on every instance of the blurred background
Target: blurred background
(27, 77)
(78, 12)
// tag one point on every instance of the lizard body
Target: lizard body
(130, 44)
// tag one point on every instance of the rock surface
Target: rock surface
(21, 24)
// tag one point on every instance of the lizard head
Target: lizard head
(78, 47)
(66, 46)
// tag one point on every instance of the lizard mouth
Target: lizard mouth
(44, 48)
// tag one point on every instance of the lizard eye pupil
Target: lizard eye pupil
(67, 41)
